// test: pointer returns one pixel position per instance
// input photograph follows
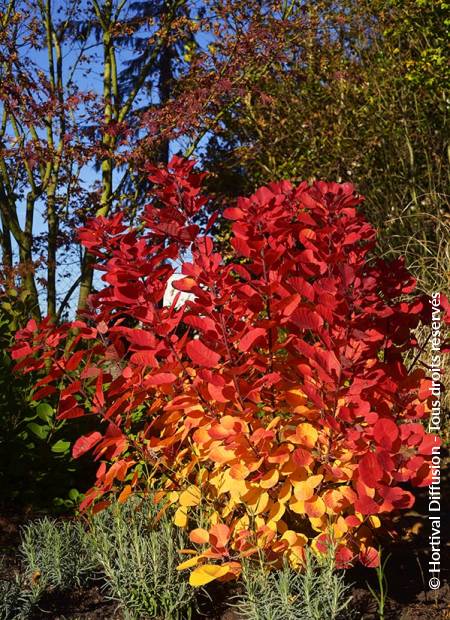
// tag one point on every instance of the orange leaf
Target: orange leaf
(199, 536)
(315, 507)
(221, 455)
(124, 494)
(220, 535)
(239, 471)
(305, 435)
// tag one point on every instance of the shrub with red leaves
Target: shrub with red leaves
(275, 399)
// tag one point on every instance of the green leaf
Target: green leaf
(38, 430)
(44, 411)
(74, 494)
(61, 446)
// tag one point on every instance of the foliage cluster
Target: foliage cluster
(273, 400)
(36, 467)
(259, 90)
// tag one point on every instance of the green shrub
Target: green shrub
(56, 553)
(36, 466)
(318, 593)
(138, 560)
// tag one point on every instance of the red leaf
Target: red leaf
(370, 470)
(302, 457)
(344, 557)
(74, 361)
(69, 414)
(250, 338)
(201, 354)
(20, 351)
(306, 319)
(303, 287)
(203, 324)
(385, 433)
(366, 505)
(232, 213)
(288, 304)
(99, 397)
(216, 392)
(264, 195)
(43, 392)
(85, 443)
(369, 557)
(161, 378)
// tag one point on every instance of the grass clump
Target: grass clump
(138, 559)
(317, 593)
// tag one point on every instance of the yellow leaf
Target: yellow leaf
(173, 497)
(229, 508)
(242, 523)
(276, 511)
(273, 423)
(270, 479)
(303, 490)
(306, 435)
(189, 563)
(191, 497)
(318, 524)
(180, 518)
(297, 506)
(296, 557)
(206, 573)
(374, 521)
(340, 528)
(294, 538)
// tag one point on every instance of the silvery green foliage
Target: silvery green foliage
(138, 559)
(317, 593)
(17, 600)
(57, 553)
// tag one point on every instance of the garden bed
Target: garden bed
(408, 596)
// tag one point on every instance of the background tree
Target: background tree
(57, 125)
(362, 97)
